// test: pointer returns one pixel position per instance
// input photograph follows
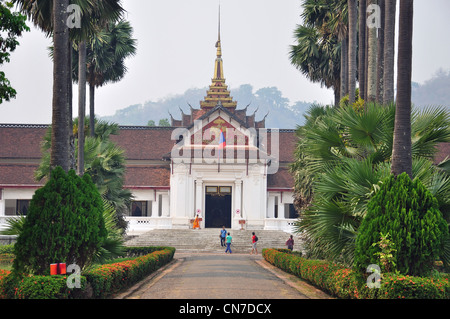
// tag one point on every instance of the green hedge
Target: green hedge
(100, 282)
(109, 279)
(7, 249)
(345, 283)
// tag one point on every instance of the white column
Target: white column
(2, 203)
(166, 205)
(271, 207)
(280, 207)
(199, 197)
(238, 198)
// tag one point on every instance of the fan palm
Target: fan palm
(104, 161)
(51, 16)
(106, 53)
(317, 56)
(344, 154)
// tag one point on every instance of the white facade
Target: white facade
(250, 204)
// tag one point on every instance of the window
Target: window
(17, 207)
(290, 211)
(22, 207)
(276, 207)
(139, 209)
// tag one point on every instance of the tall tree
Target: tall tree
(81, 105)
(372, 57)
(401, 153)
(98, 15)
(389, 51)
(317, 56)
(362, 48)
(61, 76)
(116, 47)
(380, 53)
(352, 48)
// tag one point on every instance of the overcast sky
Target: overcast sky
(176, 52)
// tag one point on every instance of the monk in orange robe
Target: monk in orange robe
(196, 223)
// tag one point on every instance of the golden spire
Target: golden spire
(218, 70)
(218, 91)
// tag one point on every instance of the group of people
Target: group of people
(226, 239)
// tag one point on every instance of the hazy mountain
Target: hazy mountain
(281, 113)
(434, 92)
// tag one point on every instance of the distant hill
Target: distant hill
(434, 92)
(281, 114)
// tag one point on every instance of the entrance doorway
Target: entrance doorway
(218, 207)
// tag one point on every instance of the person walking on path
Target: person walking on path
(223, 235)
(290, 243)
(254, 241)
(228, 240)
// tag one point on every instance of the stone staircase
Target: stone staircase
(207, 240)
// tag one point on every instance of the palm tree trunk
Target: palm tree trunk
(337, 92)
(372, 65)
(61, 75)
(344, 69)
(81, 104)
(72, 159)
(362, 48)
(380, 53)
(352, 48)
(92, 109)
(401, 153)
(389, 51)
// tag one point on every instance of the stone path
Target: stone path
(221, 276)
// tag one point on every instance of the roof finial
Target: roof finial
(219, 21)
(218, 44)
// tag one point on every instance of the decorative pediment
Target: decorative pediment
(209, 132)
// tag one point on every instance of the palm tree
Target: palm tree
(352, 48)
(329, 19)
(372, 61)
(342, 155)
(61, 74)
(362, 48)
(401, 153)
(389, 51)
(106, 52)
(43, 15)
(380, 53)
(99, 15)
(104, 161)
(317, 56)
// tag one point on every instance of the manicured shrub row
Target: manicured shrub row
(100, 282)
(345, 283)
(6, 259)
(140, 251)
(109, 279)
(6, 249)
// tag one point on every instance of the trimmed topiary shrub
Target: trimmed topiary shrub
(408, 212)
(64, 224)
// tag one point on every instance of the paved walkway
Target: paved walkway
(221, 276)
